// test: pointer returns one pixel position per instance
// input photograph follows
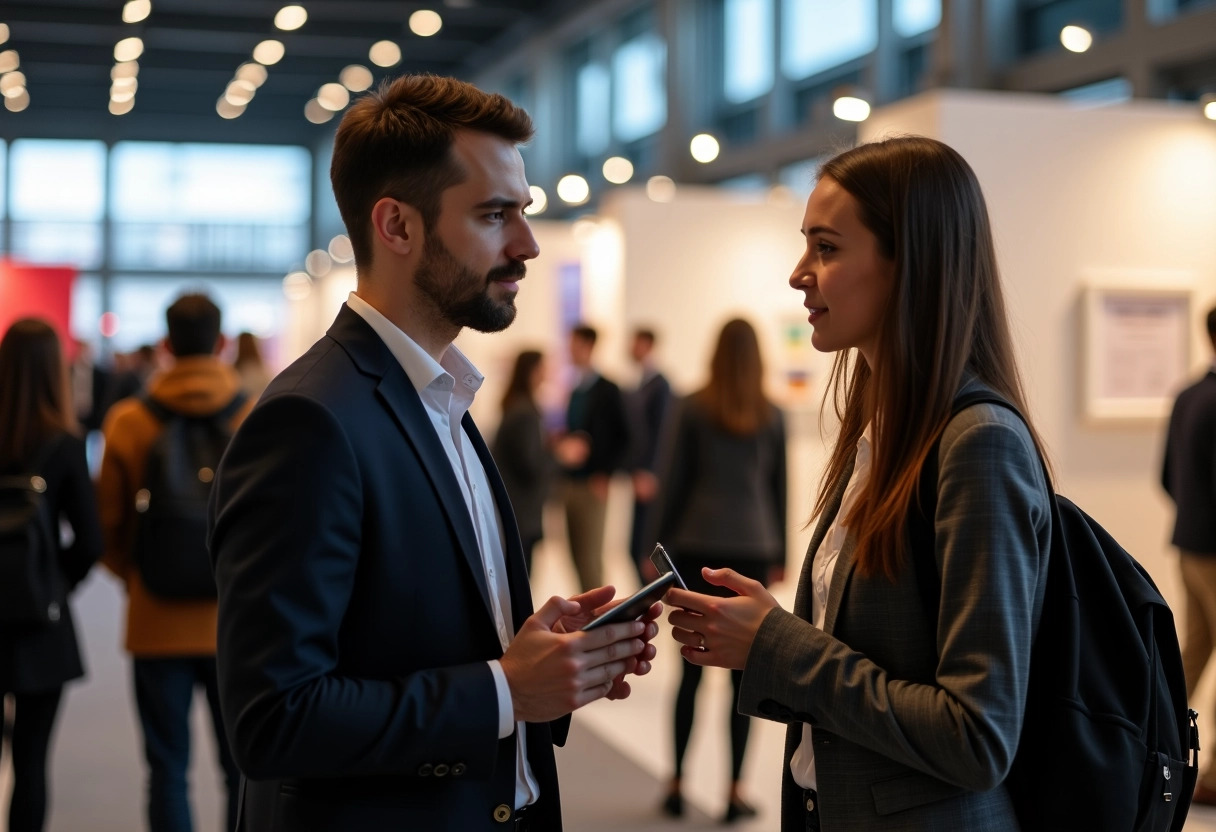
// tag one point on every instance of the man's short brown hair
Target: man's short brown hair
(397, 142)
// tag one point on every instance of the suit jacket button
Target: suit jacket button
(441, 770)
(425, 770)
(458, 769)
(502, 813)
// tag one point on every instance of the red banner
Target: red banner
(37, 291)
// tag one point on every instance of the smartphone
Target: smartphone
(636, 604)
(664, 564)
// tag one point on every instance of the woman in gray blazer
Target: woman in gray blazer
(722, 503)
(897, 722)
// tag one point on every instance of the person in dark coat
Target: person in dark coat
(38, 437)
(648, 406)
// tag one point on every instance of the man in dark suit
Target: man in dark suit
(648, 405)
(593, 448)
(1189, 477)
(380, 663)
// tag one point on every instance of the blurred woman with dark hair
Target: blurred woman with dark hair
(42, 460)
(723, 504)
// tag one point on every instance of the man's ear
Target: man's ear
(221, 341)
(167, 345)
(397, 226)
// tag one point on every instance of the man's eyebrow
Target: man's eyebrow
(820, 229)
(499, 202)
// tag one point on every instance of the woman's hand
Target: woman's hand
(719, 631)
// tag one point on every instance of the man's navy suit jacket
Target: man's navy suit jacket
(1189, 471)
(354, 615)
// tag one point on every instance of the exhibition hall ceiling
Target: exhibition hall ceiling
(192, 51)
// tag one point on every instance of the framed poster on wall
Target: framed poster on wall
(1137, 351)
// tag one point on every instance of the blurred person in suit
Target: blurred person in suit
(39, 439)
(648, 405)
(723, 502)
(1189, 477)
(381, 666)
(521, 449)
(250, 365)
(895, 723)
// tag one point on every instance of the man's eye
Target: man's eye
(497, 215)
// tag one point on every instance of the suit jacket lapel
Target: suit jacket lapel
(372, 356)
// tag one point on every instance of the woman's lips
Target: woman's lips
(815, 312)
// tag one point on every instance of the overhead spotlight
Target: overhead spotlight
(425, 23)
(3, 32)
(290, 18)
(124, 69)
(573, 189)
(384, 53)
(297, 286)
(121, 94)
(136, 10)
(1076, 38)
(540, 201)
(314, 112)
(121, 108)
(12, 84)
(1208, 103)
(253, 72)
(318, 263)
(9, 60)
(618, 170)
(850, 106)
(269, 52)
(18, 102)
(661, 188)
(239, 92)
(340, 249)
(704, 148)
(356, 77)
(333, 96)
(227, 109)
(129, 82)
(128, 49)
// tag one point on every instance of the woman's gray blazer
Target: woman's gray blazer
(915, 730)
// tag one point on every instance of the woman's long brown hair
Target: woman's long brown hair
(734, 396)
(33, 390)
(946, 318)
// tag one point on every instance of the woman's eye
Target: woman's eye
(824, 248)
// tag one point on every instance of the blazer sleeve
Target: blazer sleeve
(961, 726)
(286, 539)
(779, 485)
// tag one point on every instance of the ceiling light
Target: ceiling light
(121, 108)
(540, 201)
(314, 112)
(269, 52)
(425, 23)
(1208, 103)
(124, 69)
(297, 286)
(384, 53)
(9, 60)
(851, 108)
(1076, 38)
(128, 82)
(573, 189)
(318, 263)
(239, 92)
(128, 49)
(333, 96)
(704, 148)
(227, 109)
(136, 10)
(289, 18)
(252, 72)
(18, 102)
(618, 170)
(661, 188)
(356, 78)
(121, 95)
(341, 250)
(11, 82)
(3, 32)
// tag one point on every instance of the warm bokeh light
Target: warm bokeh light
(121, 108)
(269, 52)
(1076, 38)
(252, 72)
(314, 112)
(108, 324)
(333, 96)
(851, 108)
(18, 102)
(9, 60)
(128, 49)
(11, 83)
(124, 69)
(356, 77)
(704, 148)
(3, 32)
(297, 286)
(227, 109)
(340, 249)
(540, 201)
(618, 170)
(1209, 110)
(573, 189)
(120, 95)
(136, 10)
(384, 53)
(318, 262)
(425, 23)
(661, 188)
(290, 18)
(239, 92)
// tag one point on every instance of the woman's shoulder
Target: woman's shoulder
(989, 431)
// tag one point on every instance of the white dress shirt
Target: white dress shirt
(802, 764)
(447, 389)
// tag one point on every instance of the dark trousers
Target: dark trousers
(33, 720)
(164, 691)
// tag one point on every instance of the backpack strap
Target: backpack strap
(165, 414)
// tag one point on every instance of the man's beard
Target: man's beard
(460, 295)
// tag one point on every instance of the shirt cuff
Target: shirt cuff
(506, 708)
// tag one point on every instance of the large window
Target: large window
(817, 35)
(912, 17)
(748, 49)
(593, 94)
(57, 201)
(639, 71)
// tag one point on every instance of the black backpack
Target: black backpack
(171, 506)
(33, 589)
(1107, 732)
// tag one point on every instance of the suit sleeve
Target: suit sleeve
(962, 727)
(286, 538)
